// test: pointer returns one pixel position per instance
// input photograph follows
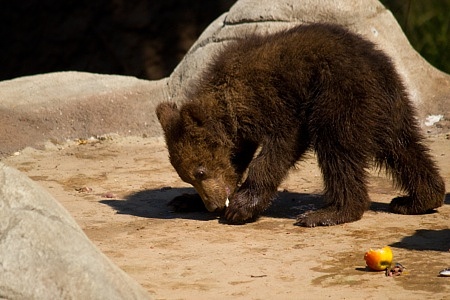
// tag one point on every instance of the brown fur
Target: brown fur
(314, 87)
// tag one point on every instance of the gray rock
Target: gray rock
(59, 106)
(45, 255)
(66, 105)
(429, 88)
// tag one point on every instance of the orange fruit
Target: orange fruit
(379, 259)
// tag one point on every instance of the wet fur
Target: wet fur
(314, 87)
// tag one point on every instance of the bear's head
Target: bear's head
(201, 151)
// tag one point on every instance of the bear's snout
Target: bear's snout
(214, 195)
(214, 205)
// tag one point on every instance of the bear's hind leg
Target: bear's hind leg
(345, 189)
(414, 172)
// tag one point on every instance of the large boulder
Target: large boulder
(45, 255)
(63, 105)
(71, 104)
(429, 88)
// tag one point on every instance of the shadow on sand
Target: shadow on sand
(425, 239)
(153, 204)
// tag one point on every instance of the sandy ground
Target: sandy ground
(117, 189)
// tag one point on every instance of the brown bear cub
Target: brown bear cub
(265, 100)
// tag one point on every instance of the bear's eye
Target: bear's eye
(200, 173)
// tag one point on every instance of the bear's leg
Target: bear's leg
(345, 188)
(265, 173)
(414, 172)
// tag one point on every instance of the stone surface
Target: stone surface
(45, 255)
(429, 88)
(60, 106)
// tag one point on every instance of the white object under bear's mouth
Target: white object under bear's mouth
(227, 203)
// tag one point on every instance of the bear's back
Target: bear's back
(304, 61)
(310, 74)
(304, 48)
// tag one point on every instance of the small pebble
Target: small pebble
(84, 189)
(109, 195)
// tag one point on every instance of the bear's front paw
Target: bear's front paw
(240, 209)
(187, 203)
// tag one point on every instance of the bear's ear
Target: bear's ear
(168, 115)
(193, 114)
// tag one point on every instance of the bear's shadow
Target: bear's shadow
(153, 204)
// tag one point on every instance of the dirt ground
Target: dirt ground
(117, 189)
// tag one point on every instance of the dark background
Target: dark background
(142, 38)
(147, 38)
